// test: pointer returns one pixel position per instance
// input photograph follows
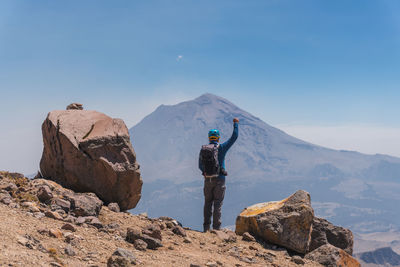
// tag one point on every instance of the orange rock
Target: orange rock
(287, 223)
(55, 233)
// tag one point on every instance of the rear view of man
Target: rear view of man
(212, 166)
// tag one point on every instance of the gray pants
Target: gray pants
(214, 192)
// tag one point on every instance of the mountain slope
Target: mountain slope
(382, 257)
(264, 164)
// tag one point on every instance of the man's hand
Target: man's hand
(235, 120)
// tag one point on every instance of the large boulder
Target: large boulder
(87, 151)
(331, 256)
(286, 223)
(324, 232)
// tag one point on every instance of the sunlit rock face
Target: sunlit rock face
(88, 151)
(287, 222)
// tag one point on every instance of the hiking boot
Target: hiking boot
(206, 229)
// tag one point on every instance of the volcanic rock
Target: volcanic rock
(133, 234)
(140, 244)
(286, 223)
(178, 230)
(121, 258)
(61, 203)
(44, 193)
(84, 204)
(324, 232)
(68, 227)
(88, 151)
(248, 237)
(75, 106)
(332, 256)
(53, 215)
(225, 235)
(114, 207)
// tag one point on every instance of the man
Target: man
(212, 166)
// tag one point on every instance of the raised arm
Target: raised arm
(225, 146)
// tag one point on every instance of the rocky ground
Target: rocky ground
(43, 224)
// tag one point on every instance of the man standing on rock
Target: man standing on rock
(212, 166)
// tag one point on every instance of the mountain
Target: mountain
(382, 257)
(351, 189)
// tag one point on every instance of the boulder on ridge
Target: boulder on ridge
(287, 223)
(88, 151)
(324, 232)
(332, 256)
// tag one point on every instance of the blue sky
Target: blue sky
(311, 68)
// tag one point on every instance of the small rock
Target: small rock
(53, 215)
(61, 203)
(70, 219)
(298, 260)
(95, 222)
(112, 226)
(114, 207)
(143, 214)
(55, 233)
(80, 220)
(133, 234)
(187, 240)
(68, 227)
(178, 230)
(55, 264)
(9, 187)
(72, 239)
(75, 106)
(211, 264)
(162, 226)
(30, 206)
(248, 259)
(140, 244)
(170, 225)
(43, 231)
(84, 204)
(22, 240)
(225, 235)
(69, 250)
(30, 242)
(5, 198)
(253, 248)
(153, 230)
(195, 265)
(248, 237)
(44, 193)
(38, 215)
(121, 258)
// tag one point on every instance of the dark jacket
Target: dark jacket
(223, 148)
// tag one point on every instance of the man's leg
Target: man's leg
(208, 201)
(219, 194)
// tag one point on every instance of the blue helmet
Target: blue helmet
(213, 135)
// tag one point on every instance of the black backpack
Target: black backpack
(209, 159)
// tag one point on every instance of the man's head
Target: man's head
(213, 135)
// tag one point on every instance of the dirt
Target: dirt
(25, 241)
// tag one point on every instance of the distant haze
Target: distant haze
(369, 139)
